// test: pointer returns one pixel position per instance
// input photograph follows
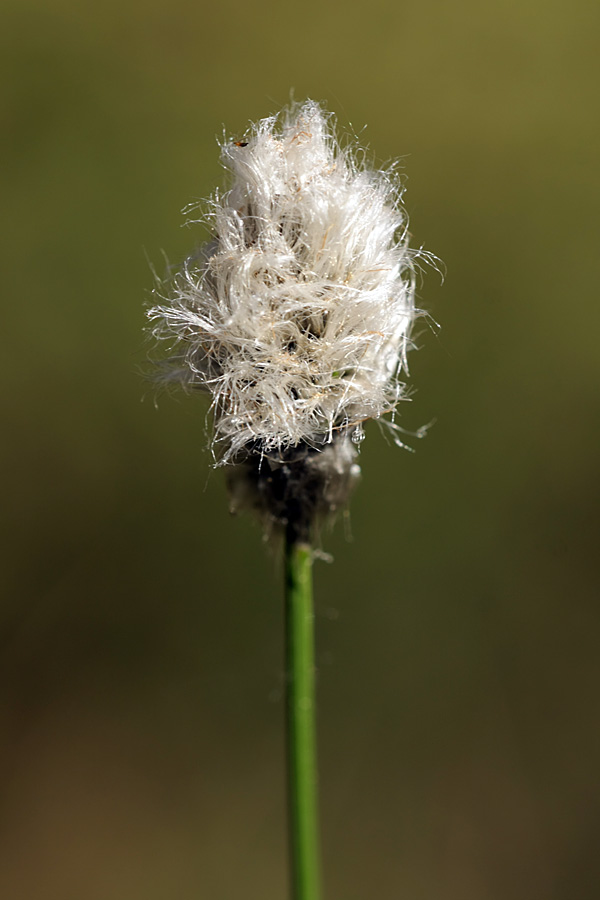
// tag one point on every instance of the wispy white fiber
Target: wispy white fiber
(297, 316)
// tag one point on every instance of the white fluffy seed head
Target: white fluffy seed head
(296, 317)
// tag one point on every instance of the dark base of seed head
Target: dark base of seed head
(297, 488)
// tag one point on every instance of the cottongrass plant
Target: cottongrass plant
(296, 319)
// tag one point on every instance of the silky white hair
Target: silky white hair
(297, 316)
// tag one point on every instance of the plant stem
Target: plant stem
(300, 720)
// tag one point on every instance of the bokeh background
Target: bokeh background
(141, 649)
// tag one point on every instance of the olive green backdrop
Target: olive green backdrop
(141, 647)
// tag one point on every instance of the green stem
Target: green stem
(300, 720)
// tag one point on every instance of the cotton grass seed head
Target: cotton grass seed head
(296, 318)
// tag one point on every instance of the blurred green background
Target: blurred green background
(141, 651)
